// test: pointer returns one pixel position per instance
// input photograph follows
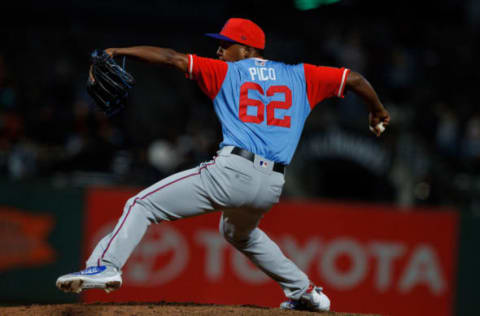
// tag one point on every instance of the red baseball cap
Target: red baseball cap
(241, 31)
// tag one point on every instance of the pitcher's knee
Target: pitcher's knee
(137, 205)
(234, 238)
(130, 202)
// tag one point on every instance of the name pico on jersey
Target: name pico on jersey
(262, 105)
(262, 74)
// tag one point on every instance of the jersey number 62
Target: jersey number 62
(245, 102)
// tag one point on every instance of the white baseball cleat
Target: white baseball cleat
(312, 300)
(97, 277)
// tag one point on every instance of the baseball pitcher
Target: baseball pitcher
(262, 106)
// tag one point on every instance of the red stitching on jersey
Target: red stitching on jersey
(146, 195)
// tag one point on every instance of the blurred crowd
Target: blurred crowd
(423, 68)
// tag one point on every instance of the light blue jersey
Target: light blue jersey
(262, 106)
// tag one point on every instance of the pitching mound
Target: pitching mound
(170, 309)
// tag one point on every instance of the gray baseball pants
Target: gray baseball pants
(242, 190)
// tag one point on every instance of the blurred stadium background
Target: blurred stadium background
(55, 149)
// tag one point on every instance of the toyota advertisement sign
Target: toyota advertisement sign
(368, 258)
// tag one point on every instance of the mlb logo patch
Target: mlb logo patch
(260, 62)
(263, 164)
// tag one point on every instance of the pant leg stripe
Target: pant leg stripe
(146, 195)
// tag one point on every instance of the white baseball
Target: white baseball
(379, 126)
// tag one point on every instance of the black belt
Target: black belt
(277, 167)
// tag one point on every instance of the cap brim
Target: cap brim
(219, 37)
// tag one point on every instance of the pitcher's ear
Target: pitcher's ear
(248, 52)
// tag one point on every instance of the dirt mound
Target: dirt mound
(170, 309)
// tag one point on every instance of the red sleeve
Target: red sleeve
(209, 73)
(324, 82)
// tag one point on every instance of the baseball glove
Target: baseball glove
(108, 83)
